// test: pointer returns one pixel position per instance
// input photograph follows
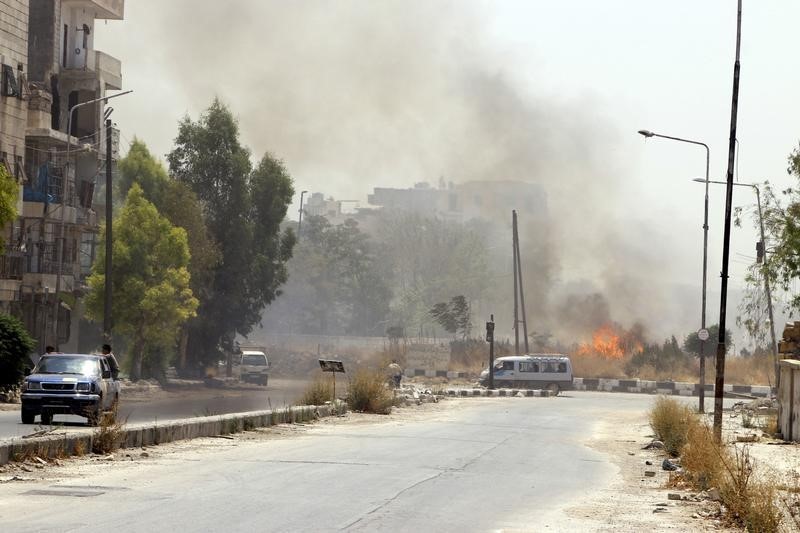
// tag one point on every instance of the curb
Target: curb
(472, 393)
(667, 388)
(51, 446)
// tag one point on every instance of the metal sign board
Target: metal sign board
(703, 334)
(329, 365)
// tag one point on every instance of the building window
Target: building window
(86, 32)
(65, 46)
(10, 87)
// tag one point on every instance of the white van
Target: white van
(254, 366)
(534, 371)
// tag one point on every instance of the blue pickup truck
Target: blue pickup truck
(77, 384)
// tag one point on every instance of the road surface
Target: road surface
(490, 464)
(186, 404)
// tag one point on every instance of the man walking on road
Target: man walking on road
(396, 373)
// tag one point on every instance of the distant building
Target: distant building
(329, 208)
(464, 201)
(49, 66)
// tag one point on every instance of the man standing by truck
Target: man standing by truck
(112, 361)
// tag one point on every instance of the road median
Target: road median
(52, 445)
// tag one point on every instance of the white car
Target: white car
(254, 367)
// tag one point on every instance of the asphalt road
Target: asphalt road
(186, 404)
(488, 465)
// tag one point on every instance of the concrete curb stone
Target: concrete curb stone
(138, 435)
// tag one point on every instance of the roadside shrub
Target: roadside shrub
(108, 435)
(368, 392)
(702, 458)
(670, 420)
(752, 503)
(15, 345)
(318, 392)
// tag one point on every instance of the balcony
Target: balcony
(92, 67)
(103, 9)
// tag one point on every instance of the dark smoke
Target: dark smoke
(360, 94)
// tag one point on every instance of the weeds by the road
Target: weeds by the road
(318, 392)
(702, 457)
(368, 392)
(708, 464)
(108, 435)
(670, 420)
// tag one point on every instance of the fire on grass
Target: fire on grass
(611, 341)
(608, 352)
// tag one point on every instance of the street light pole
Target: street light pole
(765, 272)
(300, 216)
(702, 391)
(63, 205)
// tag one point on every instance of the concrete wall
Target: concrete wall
(44, 46)
(789, 396)
(14, 52)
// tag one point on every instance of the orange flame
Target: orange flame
(607, 344)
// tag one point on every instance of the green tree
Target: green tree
(335, 286)
(454, 317)
(692, 342)
(781, 265)
(9, 194)
(15, 347)
(152, 296)
(181, 206)
(242, 209)
(449, 258)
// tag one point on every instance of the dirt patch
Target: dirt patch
(637, 501)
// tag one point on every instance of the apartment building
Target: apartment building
(51, 246)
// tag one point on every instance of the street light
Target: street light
(63, 205)
(300, 217)
(702, 392)
(764, 269)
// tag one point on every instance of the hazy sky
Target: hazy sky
(360, 94)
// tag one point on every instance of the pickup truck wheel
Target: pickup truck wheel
(27, 416)
(47, 418)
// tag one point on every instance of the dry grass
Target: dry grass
(747, 370)
(702, 457)
(318, 392)
(738, 370)
(108, 435)
(670, 419)
(79, 449)
(368, 392)
(751, 503)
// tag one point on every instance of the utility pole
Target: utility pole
(109, 240)
(300, 216)
(490, 340)
(518, 266)
(516, 305)
(723, 301)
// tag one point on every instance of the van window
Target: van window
(562, 367)
(549, 366)
(255, 360)
(528, 366)
(504, 365)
